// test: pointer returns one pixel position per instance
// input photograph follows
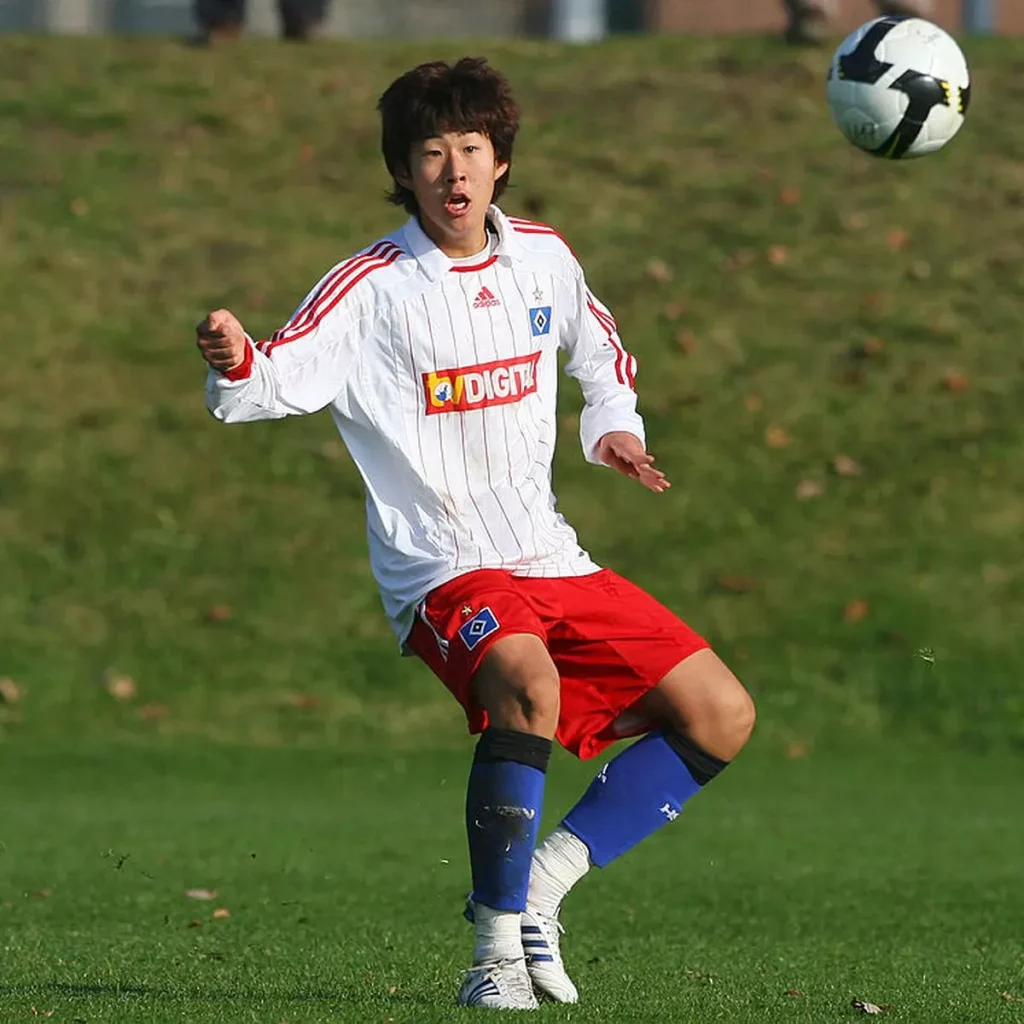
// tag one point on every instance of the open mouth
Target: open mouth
(457, 204)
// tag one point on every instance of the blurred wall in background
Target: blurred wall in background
(449, 18)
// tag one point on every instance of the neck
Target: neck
(456, 247)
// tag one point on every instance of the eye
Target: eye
(471, 148)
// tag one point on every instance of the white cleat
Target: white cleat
(541, 936)
(504, 985)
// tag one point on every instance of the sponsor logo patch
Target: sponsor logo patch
(477, 387)
(540, 320)
(482, 625)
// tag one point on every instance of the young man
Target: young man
(436, 350)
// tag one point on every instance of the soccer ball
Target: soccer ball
(899, 87)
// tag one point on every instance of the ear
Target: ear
(402, 176)
(500, 169)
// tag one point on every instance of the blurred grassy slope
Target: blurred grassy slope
(790, 301)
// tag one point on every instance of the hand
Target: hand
(221, 339)
(624, 452)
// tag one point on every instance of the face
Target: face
(453, 177)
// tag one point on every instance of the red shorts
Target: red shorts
(610, 641)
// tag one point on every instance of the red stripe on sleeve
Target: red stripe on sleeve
(323, 310)
(312, 310)
(621, 360)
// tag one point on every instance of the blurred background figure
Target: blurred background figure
(224, 20)
(810, 21)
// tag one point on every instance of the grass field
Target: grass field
(197, 686)
(868, 875)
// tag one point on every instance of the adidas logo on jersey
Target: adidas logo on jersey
(485, 298)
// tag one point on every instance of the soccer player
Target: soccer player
(435, 350)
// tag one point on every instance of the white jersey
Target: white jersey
(441, 378)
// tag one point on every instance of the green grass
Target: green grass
(143, 183)
(848, 875)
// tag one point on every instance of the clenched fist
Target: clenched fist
(221, 339)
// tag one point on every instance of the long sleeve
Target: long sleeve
(300, 369)
(604, 369)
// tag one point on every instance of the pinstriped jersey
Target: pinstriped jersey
(441, 378)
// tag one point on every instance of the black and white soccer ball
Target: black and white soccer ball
(899, 87)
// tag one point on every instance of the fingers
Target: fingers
(639, 466)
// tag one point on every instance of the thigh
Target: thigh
(463, 621)
(613, 645)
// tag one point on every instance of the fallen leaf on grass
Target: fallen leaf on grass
(1008, 997)
(868, 349)
(897, 239)
(855, 611)
(303, 701)
(153, 712)
(687, 341)
(776, 437)
(789, 196)
(736, 584)
(79, 207)
(41, 1013)
(10, 691)
(42, 894)
(778, 255)
(792, 992)
(754, 403)
(845, 466)
(307, 152)
(121, 687)
(865, 1007)
(201, 894)
(796, 751)
(807, 489)
(195, 923)
(221, 912)
(218, 613)
(739, 259)
(955, 381)
(660, 271)
(392, 990)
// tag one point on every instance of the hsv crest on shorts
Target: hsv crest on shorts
(482, 625)
(485, 297)
(477, 387)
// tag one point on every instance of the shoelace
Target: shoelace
(496, 966)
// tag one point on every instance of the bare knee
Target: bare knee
(733, 721)
(703, 699)
(518, 686)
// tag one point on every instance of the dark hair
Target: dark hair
(435, 98)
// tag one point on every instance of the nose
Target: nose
(456, 173)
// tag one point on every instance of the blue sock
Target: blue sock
(637, 792)
(503, 807)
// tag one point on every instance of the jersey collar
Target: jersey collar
(435, 263)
